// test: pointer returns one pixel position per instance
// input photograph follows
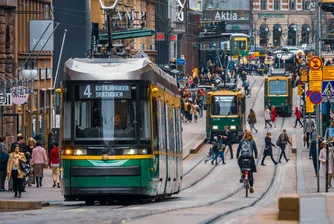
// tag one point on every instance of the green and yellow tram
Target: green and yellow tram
(120, 131)
(226, 107)
(278, 92)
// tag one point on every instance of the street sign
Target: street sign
(315, 75)
(315, 97)
(180, 61)
(6, 100)
(327, 88)
(315, 86)
(315, 63)
(328, 73)
(309, 106)
(304, 75)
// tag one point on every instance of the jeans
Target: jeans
(201, 111)
(267, 122)
(272, 159)
(283, 154)
(17, 182)
(230, 148)
(314, 159)
(219, 154)
(252, 127)
(308, 135)
(3, 174)
(298, 120)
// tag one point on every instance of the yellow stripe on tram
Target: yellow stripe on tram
(109, 157)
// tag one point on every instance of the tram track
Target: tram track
(229, 195)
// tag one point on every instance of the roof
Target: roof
(114, 69)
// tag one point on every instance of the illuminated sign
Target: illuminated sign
(104, 91)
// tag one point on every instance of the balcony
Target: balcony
(178, 27)
(8, 3)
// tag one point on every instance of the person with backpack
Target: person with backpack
(215, 149)
(282, 141)
(4, 156)
(246, 150)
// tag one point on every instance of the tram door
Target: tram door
(38, 126)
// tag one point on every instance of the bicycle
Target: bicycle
(246, 169)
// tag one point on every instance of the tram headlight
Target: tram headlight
(68, 152)
(80, 152)
(233, 127)
(134, 151)
(215, 127)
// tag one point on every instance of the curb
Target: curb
(196, 148)
(12, 206)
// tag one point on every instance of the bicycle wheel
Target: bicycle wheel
(247, 187)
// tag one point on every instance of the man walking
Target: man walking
(227, 135)
(309, 125)
(4, 156)
(316, 145)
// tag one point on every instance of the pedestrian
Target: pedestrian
(38, 161)
(267, 117)
(15, 170)
(227, 136)
(4, 156)
(323, 161)
(252, 120)
(51, 140)
(19, 141)
(274, 116)
(315, 145)
(309, 125)
(298, 116)
(195, 109)
(221, 151)
(31, 144)
(215, 149)
(268, 150)
(54, 164)
(282, 141)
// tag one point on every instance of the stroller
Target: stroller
(27, 173)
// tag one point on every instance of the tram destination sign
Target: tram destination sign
(104, 91)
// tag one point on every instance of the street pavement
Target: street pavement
(208, 190)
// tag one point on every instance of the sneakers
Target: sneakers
(251, 190)
(287, 160)
(263, 164)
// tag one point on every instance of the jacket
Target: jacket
(297, 113)
(268, 146)
(252, 118)
(314, 147)
(309, 125)
(267, 115)
(323, 158)
(4, 156)
(10, 165)
(54, 156)
(273, 115)
(254, 148)
(38, 156)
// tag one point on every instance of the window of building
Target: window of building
(306, 5)
(292, 5)
(277, 4)
(277, 35)
(263, 4)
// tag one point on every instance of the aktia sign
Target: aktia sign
(225, 15)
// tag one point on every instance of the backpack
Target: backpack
(246, 149)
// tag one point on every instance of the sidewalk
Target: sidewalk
(193, 135)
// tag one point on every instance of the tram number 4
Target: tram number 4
(87, 91)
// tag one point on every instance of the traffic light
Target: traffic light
(303, 95)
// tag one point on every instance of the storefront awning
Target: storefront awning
(127, 34)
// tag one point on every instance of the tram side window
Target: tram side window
(167, 127)
(155, 123)
(162, 128)
(277, 87)
(67, 119)
(171, 129)
(176, 131)
(145, 129)
(179, 130)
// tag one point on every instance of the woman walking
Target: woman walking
(195, 109)
(267, 117)
(268, 150)
(15, 171)
(274, 115)
(298, 116)
(323, 159)
(282, 141)
(28, 154)
(252, 120)
(38, 160)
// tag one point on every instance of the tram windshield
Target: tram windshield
(224, 105)
(277, 87)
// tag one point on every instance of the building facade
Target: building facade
(234, 14)
(283, 22)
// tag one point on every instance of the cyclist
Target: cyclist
(245, 84)
(245, 149)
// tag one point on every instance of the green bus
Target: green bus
(120, 131)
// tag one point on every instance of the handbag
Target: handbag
(22, 165)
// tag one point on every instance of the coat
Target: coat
(267, 115)
(268, 147)
(273, 115)
(254, 148)
(309, 125)
(297, 113)
(251, 118)
(314, 147)
(10, 165)
(322, 158)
